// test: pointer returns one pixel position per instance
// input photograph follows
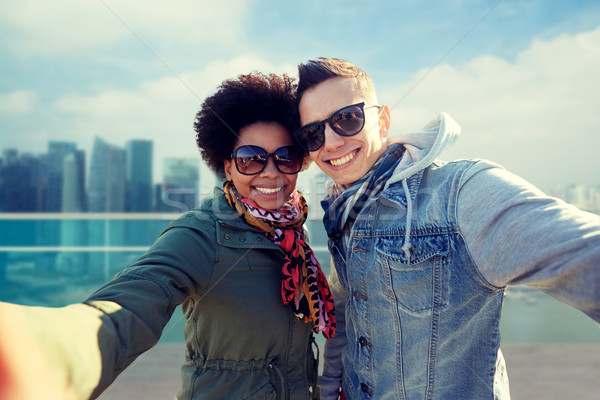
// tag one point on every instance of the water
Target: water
(58, 259)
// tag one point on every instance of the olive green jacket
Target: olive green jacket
(241, 341)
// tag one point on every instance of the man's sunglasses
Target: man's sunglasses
(252, 160)
(347, 121)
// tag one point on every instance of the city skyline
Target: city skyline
(519, 77)
(128, 185)
(113, 179)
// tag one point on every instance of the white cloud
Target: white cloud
(19, 102)
(538, 115)
(161, 110)
(53, 27)
(155, 107)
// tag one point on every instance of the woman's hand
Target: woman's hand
(25, 371)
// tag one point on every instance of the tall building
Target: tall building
(106, 180)
(19, 182)
(73, 232)
(584, 197)
(106, 193)
(57, 151)
(180, 184)
(73, 188)
(139, 175)
(10, 156)
(313, 185)
(37, 175)
(117, 180)
(11, 181)
(206, 186)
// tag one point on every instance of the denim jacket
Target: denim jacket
(424, 323)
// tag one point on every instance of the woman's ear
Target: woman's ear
(228, 165)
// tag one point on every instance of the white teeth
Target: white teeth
(268, 190)
(342, 160)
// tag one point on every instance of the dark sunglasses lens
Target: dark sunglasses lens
(348, 121)
(311, 137)
(288, 159)
(250, 159)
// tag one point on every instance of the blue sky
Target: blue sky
(520, 77)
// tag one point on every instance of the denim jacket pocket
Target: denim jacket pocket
(421, 282)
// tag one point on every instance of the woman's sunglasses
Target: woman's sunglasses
(347, 121)
(252, 160)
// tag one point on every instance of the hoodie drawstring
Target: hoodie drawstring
(409, 209)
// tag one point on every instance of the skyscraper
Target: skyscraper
(139, 175)
(36, 166)
(73, 187)
(73, 232)
(106, 181)
(106, 193)
(57, 151)
(180, 184)
(11, 181)
(19, 181)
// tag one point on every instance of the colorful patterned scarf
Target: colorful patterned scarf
(304, 287)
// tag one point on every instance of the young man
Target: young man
(424, 250)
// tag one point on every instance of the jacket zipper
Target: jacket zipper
(287, 354)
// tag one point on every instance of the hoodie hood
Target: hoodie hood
(423, 147)
(420, 150)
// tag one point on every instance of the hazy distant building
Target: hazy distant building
(313, 185)
(57, 151)
(106, 193)
(73, 232)
(37, 171)
(12, 178)
(139, 175)
(584, 197)
(206, 185)
(106, 180)
(180, 187)
(73, 188)
(10, 156)
(159, 204)
(20, 182)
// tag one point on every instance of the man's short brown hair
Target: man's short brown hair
(313, 72)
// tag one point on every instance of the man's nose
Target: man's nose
(332, 139)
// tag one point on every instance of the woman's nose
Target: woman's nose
(270, 168)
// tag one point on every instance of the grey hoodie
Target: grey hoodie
(477, 229)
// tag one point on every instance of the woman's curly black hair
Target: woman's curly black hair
(240, 102)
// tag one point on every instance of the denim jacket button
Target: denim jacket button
(227, 236)
(363, 341)
(359, 295)
(365, 388)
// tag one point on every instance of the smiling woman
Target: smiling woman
(264, 177)
(239, 263)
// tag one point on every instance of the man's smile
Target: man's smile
(338, 162)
